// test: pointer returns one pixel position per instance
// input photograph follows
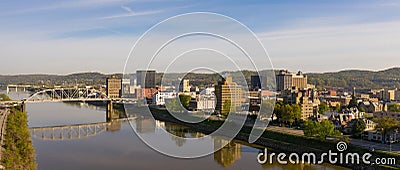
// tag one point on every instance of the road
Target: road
(286, 130)
(395, 147)
(3, 120)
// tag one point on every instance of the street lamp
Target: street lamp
(390, 143)
(362, 134)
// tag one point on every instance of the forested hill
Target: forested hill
(88, 78)
(389, 78)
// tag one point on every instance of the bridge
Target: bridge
(67, 95)
(68, 132)
(76, 131)
(13, 86)
(71, 95)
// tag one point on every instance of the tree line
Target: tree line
(18, 148)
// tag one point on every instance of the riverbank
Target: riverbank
(18, 150)
(3, 120)
(279, 141)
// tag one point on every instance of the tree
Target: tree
(358, 128)
(394, 108)
(327, 129)
(226, 108)
(337, 108)
(291, 113)
(361, 109)
(386, 125)
(18, 150)
(311, 128)
(322, 108)
(278, 109)
(320, 130)
(266, 108)
(353, 102)
(185, 100)
(296, 112)
(4, 97)
(173, 105)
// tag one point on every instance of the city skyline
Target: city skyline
(131, 73)
(83, 35)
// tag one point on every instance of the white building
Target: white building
(377, 136)
(160, 97)
(206, 103)
(206, 100)
(209, 91)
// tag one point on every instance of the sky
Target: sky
(69, 36)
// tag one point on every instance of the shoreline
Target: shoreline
(18, 152)
(283, 142)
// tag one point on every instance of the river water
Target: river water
(116, 146)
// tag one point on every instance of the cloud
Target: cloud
(390, 4)
(64, 5)
(330, 48)
(132, 14)
(129, 10)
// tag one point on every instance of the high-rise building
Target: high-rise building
(228, 91)
(125, 87)
(133, 80)
(113, 87)
(387, 95)
(299, 80)
(286, 80)
(185, 85)
(255, 82)
(181, 85)
(146, 78)
(283, 80)
(397, 95)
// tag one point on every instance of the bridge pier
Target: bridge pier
(110, 114)
(23, 107)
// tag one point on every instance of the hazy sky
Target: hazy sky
(47, 36)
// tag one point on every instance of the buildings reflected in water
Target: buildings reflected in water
(180, 133)
(144, 125)
(99, 107)
(114, 126)
(228, 154)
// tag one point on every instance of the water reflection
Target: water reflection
(145, 125)
(114, 126)
(228, 154)
(117, 147)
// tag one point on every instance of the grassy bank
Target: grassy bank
(4, 97)
(18, 149)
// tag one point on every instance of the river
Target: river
(116, 146)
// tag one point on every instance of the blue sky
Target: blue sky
(96, 35)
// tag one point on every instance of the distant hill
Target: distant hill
(90, 78)
(389, 78)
